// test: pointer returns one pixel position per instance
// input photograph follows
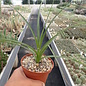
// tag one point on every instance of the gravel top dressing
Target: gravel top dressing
(43, 66)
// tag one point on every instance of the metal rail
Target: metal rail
(63, 69)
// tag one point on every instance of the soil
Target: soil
(43, 66)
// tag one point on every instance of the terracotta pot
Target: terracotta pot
(35, 75)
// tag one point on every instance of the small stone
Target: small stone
(23, 65)
(48, 68)
(37, 64)
(67, 25)
(34, 67)
(81, 53)
(80, 66)
(41, 66)
(74, 28)
(44, 69)
(29, 69)
(23, 61)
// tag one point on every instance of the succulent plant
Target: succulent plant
(67, 62)
(76, 65)
(83, 72)
(83, 79)
(77, 71)
(72, 73)
(66, 59)
(72, 62)
(85, 76)
(71, 69)
(79, 74)
(68, 65)
(78, 81)
(75, 76)
(84, 69)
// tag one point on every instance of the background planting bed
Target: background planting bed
(10, 62)
(12, 26)
(63, 67)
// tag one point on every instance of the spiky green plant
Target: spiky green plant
(38, 40)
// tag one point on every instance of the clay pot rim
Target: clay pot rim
(36, 72)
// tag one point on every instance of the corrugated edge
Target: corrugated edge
(63, 69)
(7, 69)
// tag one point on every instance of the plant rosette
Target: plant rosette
(36, 71)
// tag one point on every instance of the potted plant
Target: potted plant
(35, 65)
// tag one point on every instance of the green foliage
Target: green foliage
(3, 59)
(8, 36)
(78, 81)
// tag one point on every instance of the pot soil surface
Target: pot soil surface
(43, 66)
